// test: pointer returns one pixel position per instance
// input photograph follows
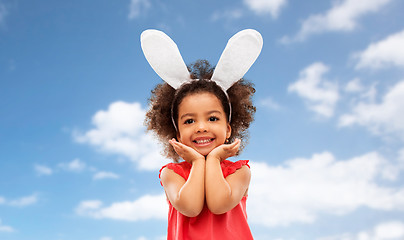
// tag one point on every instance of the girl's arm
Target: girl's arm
(186, 196)
(223, 194)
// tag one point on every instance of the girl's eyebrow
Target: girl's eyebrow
(187, 115)
(208, 113)
(214, 111)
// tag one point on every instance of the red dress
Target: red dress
(231, 225)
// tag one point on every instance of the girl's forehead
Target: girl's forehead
(201, 96)
(200, 100)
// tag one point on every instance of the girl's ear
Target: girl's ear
(228, 131)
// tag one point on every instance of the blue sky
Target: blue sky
(326, 147)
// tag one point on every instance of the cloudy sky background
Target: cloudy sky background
(326, 148)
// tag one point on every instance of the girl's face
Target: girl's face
(202, 122)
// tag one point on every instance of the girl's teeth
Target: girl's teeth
(203, 141)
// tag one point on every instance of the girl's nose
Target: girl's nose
(201, 127)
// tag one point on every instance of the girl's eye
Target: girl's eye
(189, 121)
(212, 119)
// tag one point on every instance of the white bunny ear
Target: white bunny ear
(164, 57)
(239, 55)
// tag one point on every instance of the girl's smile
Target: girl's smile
(202, 122)
(203, 141)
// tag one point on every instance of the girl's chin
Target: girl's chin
(204, 152)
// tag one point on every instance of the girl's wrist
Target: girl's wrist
(214, 158)
(199, 160)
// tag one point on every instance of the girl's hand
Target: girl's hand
(187, 153)
(225, 151)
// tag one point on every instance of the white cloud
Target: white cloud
(20, 202)
(320, 95)
(105, 175)
(389, 230)
(120, 130)
(401, 158)
(384, 118)
(358, 92)
(302, 189)
(393, 230)
(85, 207)
(387, 52)
(272, 7)
(371, 94)
(42, 170)
(354, 86)
(269, 103)
(342, 17)
(138, 7)
(76, 165)
(106, 238)
(155, 238)
(24, 201)
(5, 228)
(144, 208)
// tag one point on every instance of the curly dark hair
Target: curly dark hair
(164, 102)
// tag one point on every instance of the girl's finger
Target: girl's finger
(172, 142)
(234, 145)
(236, 141)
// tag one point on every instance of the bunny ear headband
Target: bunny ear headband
(164, 57)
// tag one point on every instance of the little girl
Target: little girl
(202, 120)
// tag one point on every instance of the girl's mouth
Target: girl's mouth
(204, 141)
